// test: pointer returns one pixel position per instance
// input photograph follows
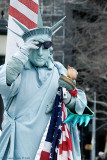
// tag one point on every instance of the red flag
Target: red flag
(56, 132)
(65, 146)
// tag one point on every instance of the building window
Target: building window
(46, 8)
(59, 7)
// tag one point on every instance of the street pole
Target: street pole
(94, 130)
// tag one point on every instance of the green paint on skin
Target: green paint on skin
(40, 57)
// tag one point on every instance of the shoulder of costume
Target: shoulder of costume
(61, 69)
(3, 66)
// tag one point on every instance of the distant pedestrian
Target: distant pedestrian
(100, 155)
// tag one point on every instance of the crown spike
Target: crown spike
(56, 30)
(57, 24)
(40, 22)
(15, 32)
(22, 27)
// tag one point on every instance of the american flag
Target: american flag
(26, 12)
(57, 143)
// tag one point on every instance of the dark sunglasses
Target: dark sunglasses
(46, 45)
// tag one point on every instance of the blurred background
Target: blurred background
(82, 44)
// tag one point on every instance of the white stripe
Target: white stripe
(70, 155)
(65, 155)
(36, 1)
(24, 10)
(37, 157)
(62, 116)
(66, 131)
(60, 140)
(47, 147)
(65, 110)
(63, 136)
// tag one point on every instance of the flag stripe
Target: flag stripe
(27, 15)
(36, 1)
(58, 142)
(44, 155)
(22, 18)
(65, 146)
(31, 5)
(24, 10)
(66, 155)
(47, 146)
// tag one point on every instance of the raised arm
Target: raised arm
(10, 76)
(17, 62)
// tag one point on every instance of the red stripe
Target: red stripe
(63, 127)
(44, 155)
(31, 5)
(65, 146)
(21, 18)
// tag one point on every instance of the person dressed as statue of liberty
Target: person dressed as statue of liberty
(28, 84)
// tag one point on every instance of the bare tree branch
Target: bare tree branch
(98, 102)
(87, 35)
(101, 112)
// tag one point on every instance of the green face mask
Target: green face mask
(41, 56)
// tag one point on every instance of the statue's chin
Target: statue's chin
(38, 64)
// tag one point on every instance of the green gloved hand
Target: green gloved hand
(76, 118)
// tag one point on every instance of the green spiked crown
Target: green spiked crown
(39, 30)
